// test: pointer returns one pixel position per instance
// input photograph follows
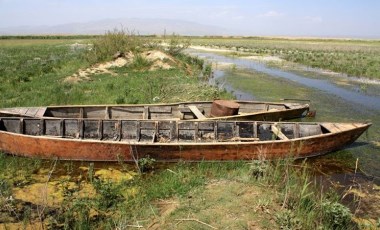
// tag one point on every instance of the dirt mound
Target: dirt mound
(84, 74)
(158, 60)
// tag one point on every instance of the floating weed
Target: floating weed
(113, 175)
(44, 194)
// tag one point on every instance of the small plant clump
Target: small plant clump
(146, 163)
(287, 220)
(258, 168)
(335, 215)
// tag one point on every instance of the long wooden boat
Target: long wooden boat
(248, 110)
(171, 140)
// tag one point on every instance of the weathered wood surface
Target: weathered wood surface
(107, 140)
(248, 110)
(196, 112)
(277, 131)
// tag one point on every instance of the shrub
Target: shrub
(335, 215)
(145, 164)
(177, 45)
(258, 168)
(287, 220)
(116, 41)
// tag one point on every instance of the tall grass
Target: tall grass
(119, 40)
(304, 205)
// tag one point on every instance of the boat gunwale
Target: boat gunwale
(166, 104)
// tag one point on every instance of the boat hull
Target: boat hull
(249, 110)
(96, 150)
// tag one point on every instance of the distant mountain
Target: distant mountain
(140, 26)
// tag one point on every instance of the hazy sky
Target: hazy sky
(347, 18)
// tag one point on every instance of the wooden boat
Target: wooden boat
(171, 140)
(248, 110)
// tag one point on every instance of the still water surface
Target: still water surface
(370, 102)
(336, 103)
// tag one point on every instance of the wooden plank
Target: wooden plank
(81, 128)
(23, 111)
(155, 134)
(196, 112)
(180, 115)
(42, 127)
(296, 130)
(196, 134)
(146, 113)
(138, 131)
(277, 131)
(206, 125)
(62, 128)
(173, 131)
(41, 112)
(100, 129)
(119, 130)
(215, 131)
(81, 113)
(131, 109)
(236, 130)
(187, 110)
(107, 113)
(31, 112)
(255, 129)
(21, 127)
(245, 139)
(160, 109)
(343, 127)
(333, 128)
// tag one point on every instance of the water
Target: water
(240, 95)
(355, 167)
(335, 104)
(360, 98)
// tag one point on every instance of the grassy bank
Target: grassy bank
(358, 58)
(236, 195)
(33, 73)
(86, 195)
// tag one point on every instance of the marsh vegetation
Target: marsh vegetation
(55, 194)
(359, 58)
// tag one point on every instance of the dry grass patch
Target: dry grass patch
(222, 204)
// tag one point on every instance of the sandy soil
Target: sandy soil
(159, 60)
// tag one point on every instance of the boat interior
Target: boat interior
(180, 111)
(167, 131)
